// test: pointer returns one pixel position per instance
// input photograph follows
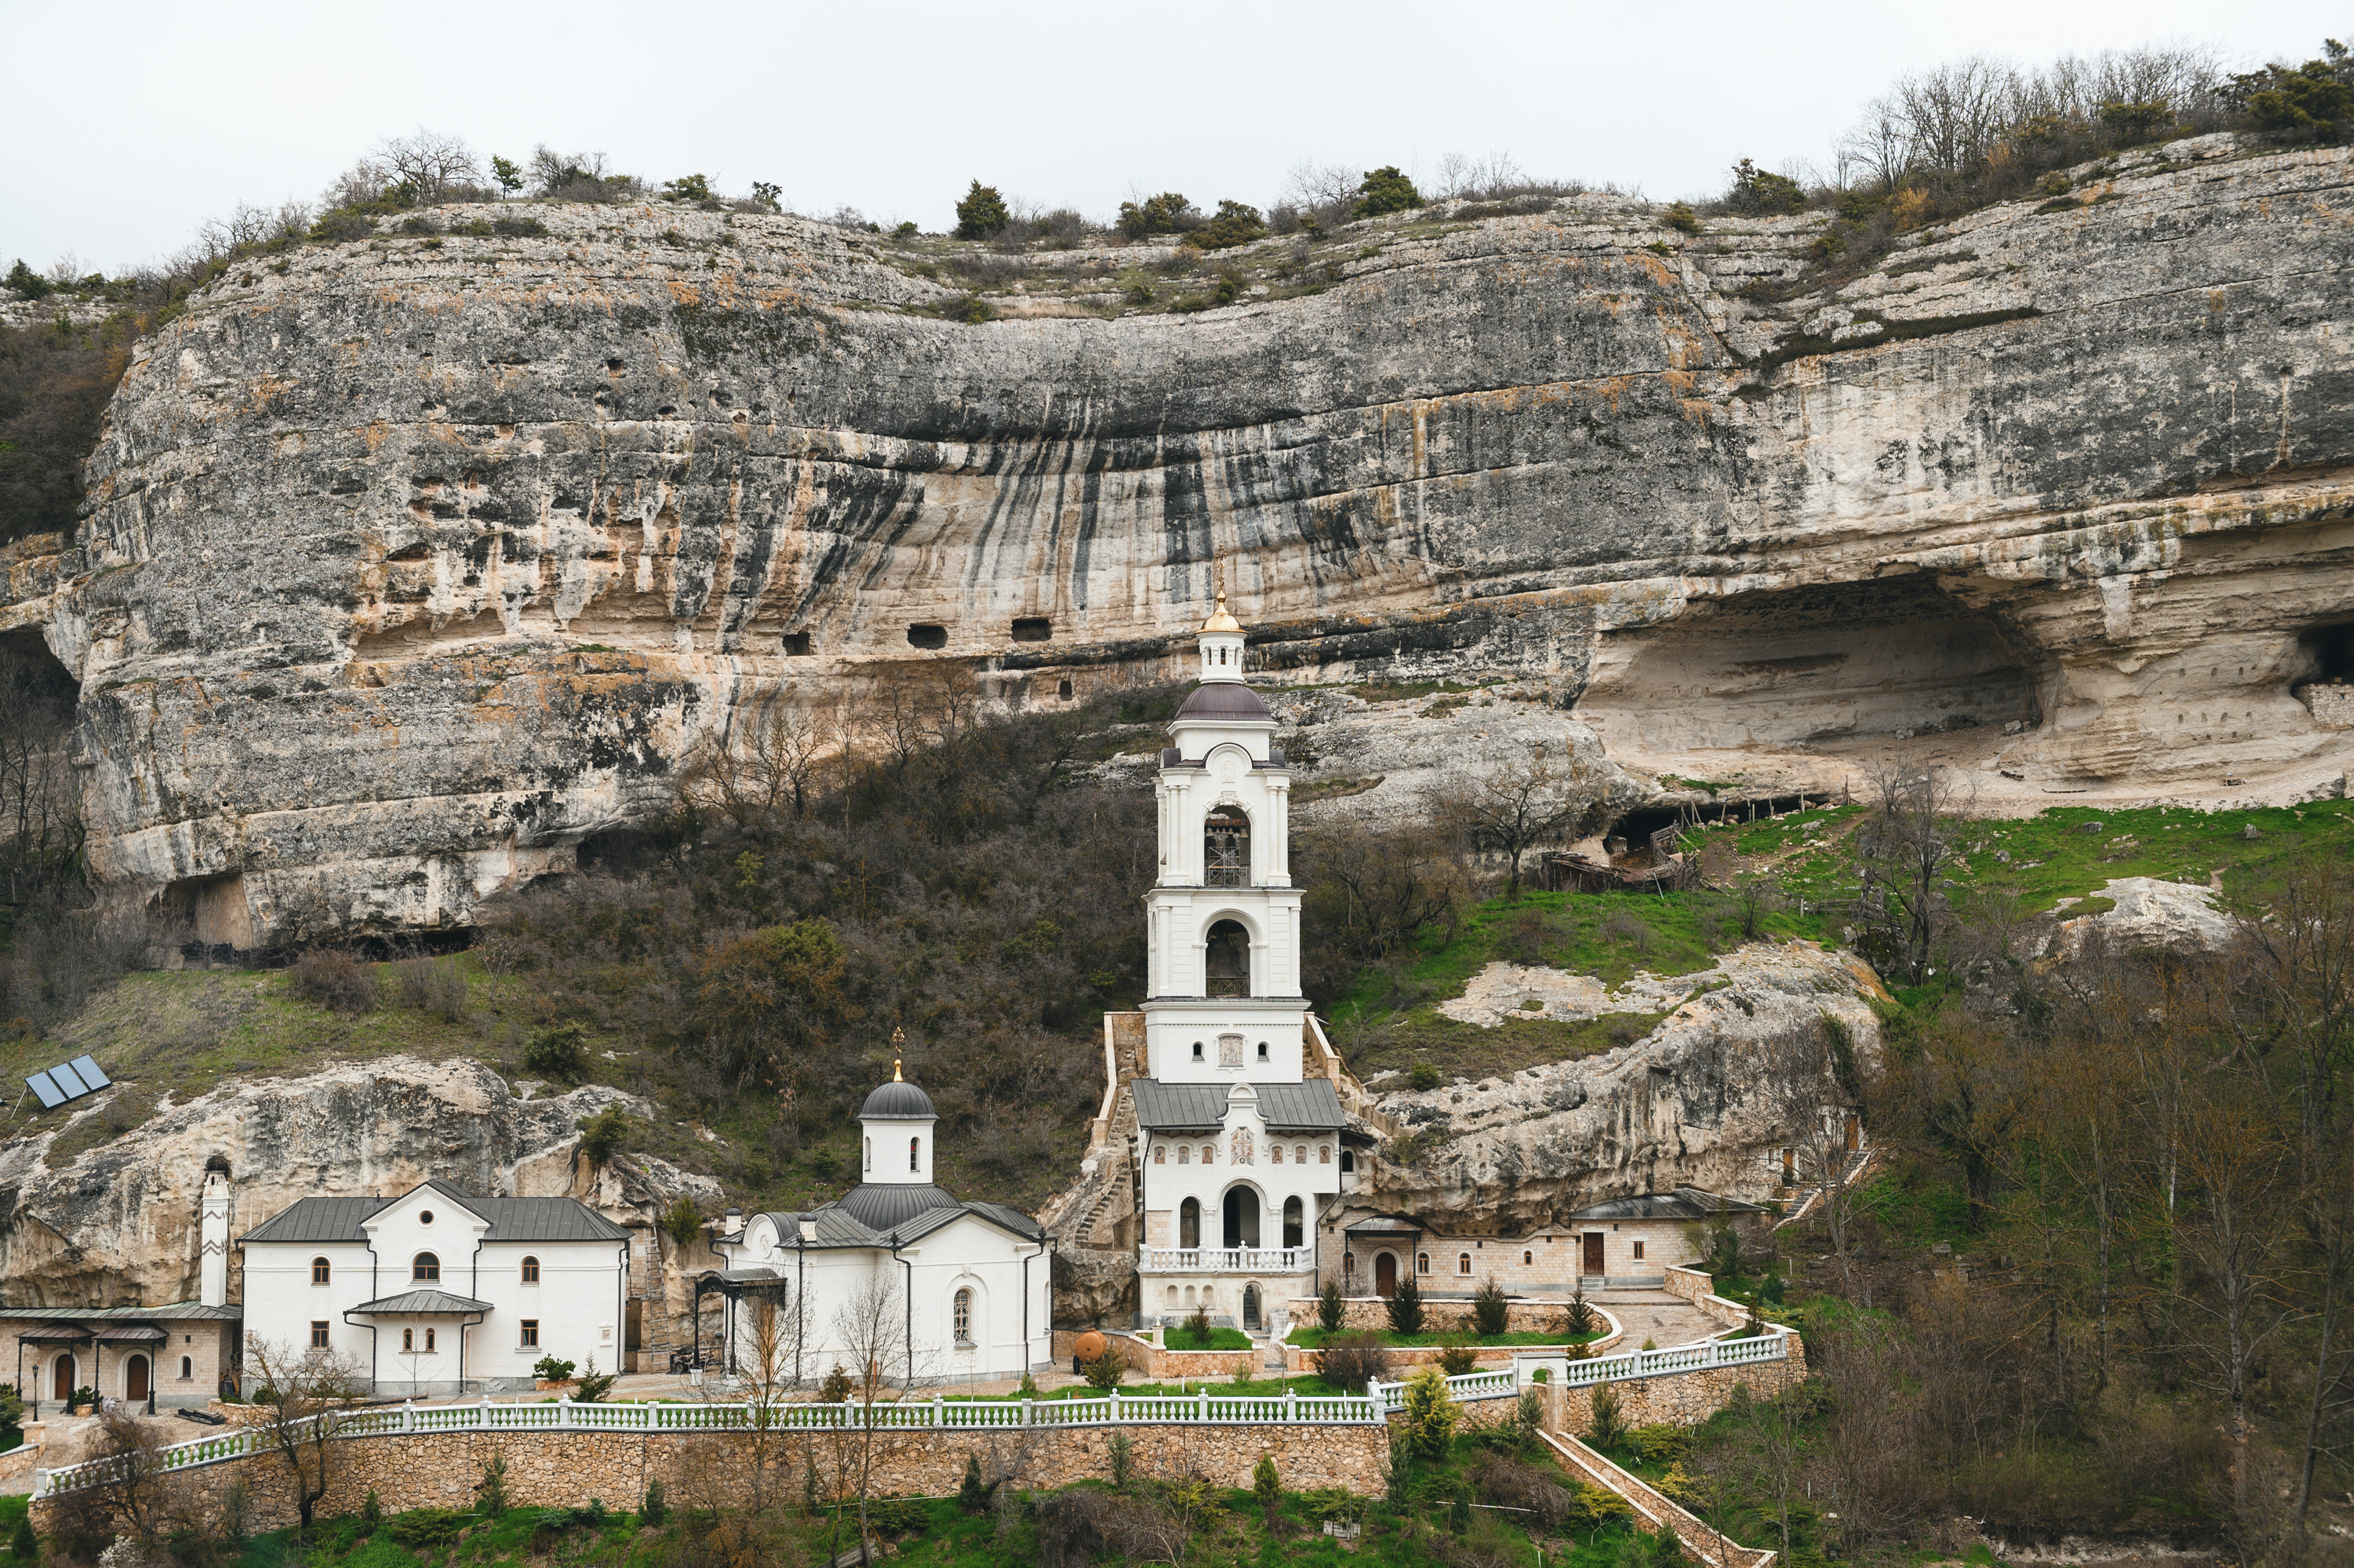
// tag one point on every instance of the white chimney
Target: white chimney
(212, 1232)
(809, 1229)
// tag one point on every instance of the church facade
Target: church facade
(1237, 1146)
(938, 1289)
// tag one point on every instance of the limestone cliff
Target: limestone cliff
(119, 1222)
(412, 562)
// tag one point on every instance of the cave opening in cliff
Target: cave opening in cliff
(1033, 629)
(927, 634)
(1890, 659)
(2324, 654)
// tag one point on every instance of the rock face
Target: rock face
(119, 1223)
(1702, 1099)
(412, 565)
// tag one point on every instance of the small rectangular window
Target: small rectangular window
(1639, 1250)
(318, 1333)
(531, 1333)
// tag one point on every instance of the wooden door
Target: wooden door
(1854, 1138)
(1593, 1268)
(1385, 1273)
(135, 1381)
(65, 1379)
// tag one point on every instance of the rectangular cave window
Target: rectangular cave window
(798, 643)
(1063, 689)
(924, 635)
(1033, 629)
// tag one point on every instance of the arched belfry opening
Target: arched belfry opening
(1226, 969)
(1226, 848)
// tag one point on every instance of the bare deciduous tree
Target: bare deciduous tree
(299, 1392)
(1904, 851)
(435, 166)
(1525, 802)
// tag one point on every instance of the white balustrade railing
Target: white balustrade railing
(1227, 1259)
(1115, 1409)
(1769, 1347)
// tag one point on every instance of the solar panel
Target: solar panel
(67, 1082)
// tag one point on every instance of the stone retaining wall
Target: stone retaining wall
(21, 1460)
(1152, 1363)
(1441, 1315)
(1684, 1399)
(551, 1470)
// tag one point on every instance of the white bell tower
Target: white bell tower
(895, 1128)
(1222, 923)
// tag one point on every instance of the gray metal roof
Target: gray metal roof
(898, 1101)
(840, 1228)
(888, 1205)
(175, 1311)
(1160, 1105)
(1385, 1225)
(421, 1304)
(1222, 700)
(511, 1219)
(1683, 1203)
(1309, 1107)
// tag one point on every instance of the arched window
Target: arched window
(1225, 964)
(1422, 1263)
(1226, 848)
(531, 1271)
(1172, 1298)
(1189, 1223)
(1184, 1154)
(319, 1271)
(1348, 1264)
(915, 1148)
(963, 1316)
(1209, 1153)
(1262, 1050)
(1527, 1259)
(1197, 1051)
(1250, 1306)
(425, 1268)
(1275, 1154)
(1323, 1154)
(1462, 1263)
(870, 1156)
(188, 1369)
(1160, 1154)
(1294, 1225)
(1348, 1161)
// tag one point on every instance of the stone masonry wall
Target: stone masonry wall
(550, 1469)
(1685, 1399)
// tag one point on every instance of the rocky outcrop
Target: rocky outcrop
(412, 562)
(1706, 1098)
(119, 1223)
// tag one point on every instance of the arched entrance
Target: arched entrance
(1250, 1308)
(1294, 1223)
(1189, 1223)
(135, 1381)
(1241, 1217)
(64, 1380)
(1385, 1273)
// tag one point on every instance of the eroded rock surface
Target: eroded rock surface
(409, 566)
(1704, 1099)
(120, 1222)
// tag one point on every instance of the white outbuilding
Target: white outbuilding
(938, 1289)
(438, 1291)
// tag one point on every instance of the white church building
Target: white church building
(437, 1291)
(969, 1283)
(1237, 1147)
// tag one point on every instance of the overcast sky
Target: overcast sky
(127, 126)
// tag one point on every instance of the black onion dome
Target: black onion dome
(896, 1101)
(883, 1205)
(1223, 700)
